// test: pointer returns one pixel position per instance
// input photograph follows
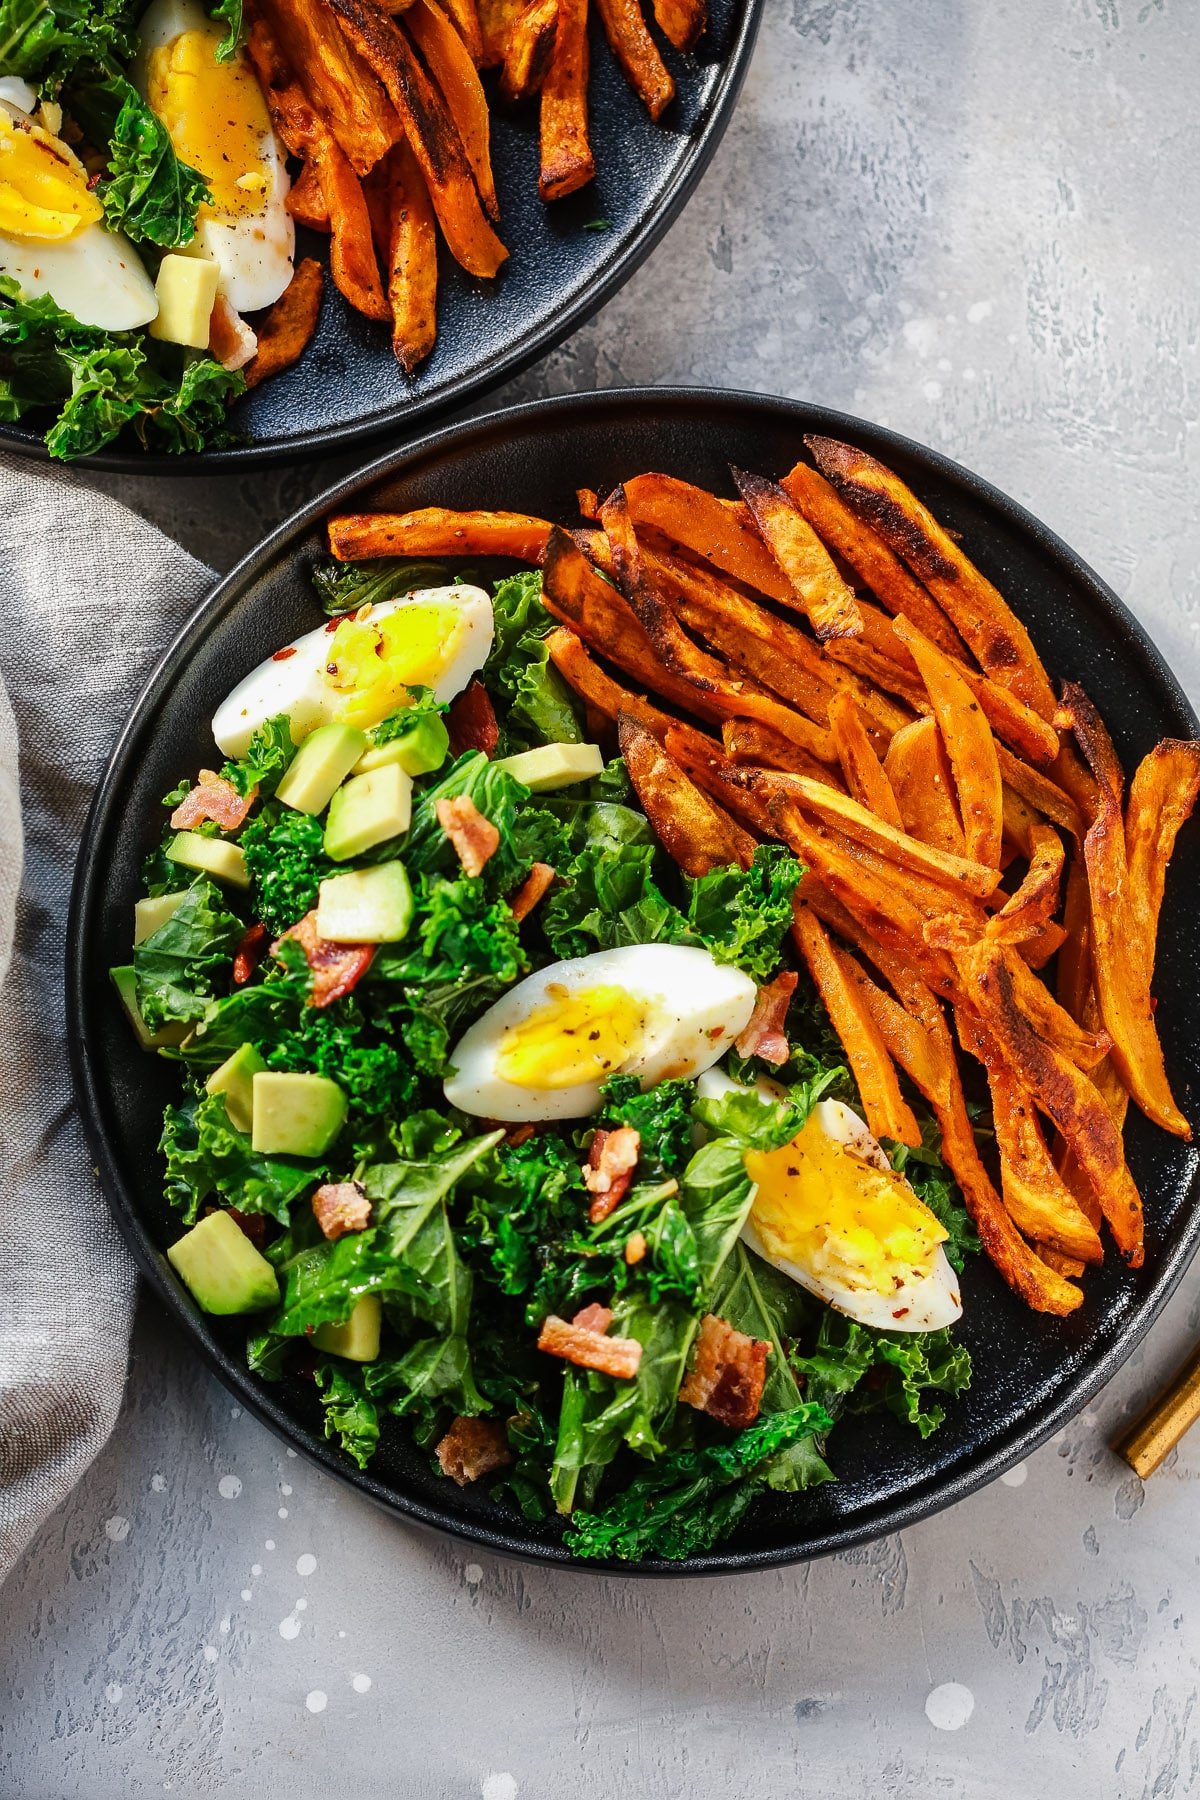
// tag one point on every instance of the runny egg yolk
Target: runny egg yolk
(837, 1216)
(372, 663)
(216, 118)
(575, 1038)
(44, 189)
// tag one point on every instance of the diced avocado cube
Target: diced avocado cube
(320, 765)
(125, 982)
(235, 1079)
(149, 915)
(358, 1339)
(365, 906)
(211, 855)
(295, 1114)
(367, 811)
(553, 766)
(418, 751)
(217, 1262)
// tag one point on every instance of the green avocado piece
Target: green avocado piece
(125, 982)
(551, 766)
(219, 1265)
(419, 750)
(367, 811)
(320, 765)
(149, 915)
(365, 906)
(358, 1338)
(295, 1114)
(235, 1079)
(212, 855)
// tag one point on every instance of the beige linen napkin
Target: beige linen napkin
(90, 596)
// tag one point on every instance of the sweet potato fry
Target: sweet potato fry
(720, 533)
(637, 54)
(1161, 797)
(567, 163)
(995, 635)
(713, 773)
(1120, 965)
(339, 85)
(352, 260)
(746, 741)
(1039, 792)
(863, 772)
(888, 1113)
(464, 14)
(530, 51)
(411, 259)
(816, 587)
(680, 21)
(438, 531)
(695, 833)
(306, 200)
(496, 20)
(1035, 902)
(285, 332)
(600, 692)
(969, 744)
(919, 775)
(452, 64)
(431, 130)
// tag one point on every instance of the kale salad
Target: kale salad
(497, 1126)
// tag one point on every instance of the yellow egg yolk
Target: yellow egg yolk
(574, 1038)
(372, 663)
(216, 118)
(837, 1217)
(44, 189)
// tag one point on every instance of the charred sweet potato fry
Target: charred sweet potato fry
(1035, 902)
(919, 775)
(969, 744)
(496, 21)
(720, 533)
(306, 200)
(1161, 797)
(411, 259)
(352, 261)
(285, 332)
(746, 741)
(607, 697)
(812, 576)
(637, 54)
(695, 833)
(450, 61)
(680, 21)
(863, 772)
(1039, 792)
(529, 51)
(438, 531)
(339, 84)
(464, 15)
(567, 163)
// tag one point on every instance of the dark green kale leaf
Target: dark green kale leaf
(322, 1281)
(759, 1123)
(270, 751)
(285, 853)
(207, 1158)
(903, 1366)
(351, 1416)
(609, 897)
(148, 193)
(524, 1196)
(344, 587)
(534, 703)
(497, 795)
(662, 1118)
(178, 967)
(743, 915)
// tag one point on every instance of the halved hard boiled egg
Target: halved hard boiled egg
(361, 670)
(656, 1011)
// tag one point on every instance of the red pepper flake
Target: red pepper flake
(282, 655)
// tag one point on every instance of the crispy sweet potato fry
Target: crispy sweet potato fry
(465, 17)
(530, 51)
(995, 635)
(888, 1113)
(680, 21)
(702, 762)
(637, 54)
(720, 533)
(695, 833)
(352, 260)
(746, 741)
(496, 20)
(969, 744)
(1161, 797)
(431, 130)
(411, 259)
(919, 775)
(1039, 792)
(608, 698)
(816, 587)
(285, 332)
(863, 772)
(1035, 902)
(452, 64)
(438, 531)
(339, 85)
(567, 163)
(1120, 965)
(306, 200)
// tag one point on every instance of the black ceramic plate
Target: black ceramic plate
(1031, 1372)
(565, 261)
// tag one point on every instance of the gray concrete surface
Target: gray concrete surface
(975, 220)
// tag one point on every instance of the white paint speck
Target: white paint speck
(114, 1693)
(979, 311)
(950, 1706)
(158, 1484)
(1015, 1477)
(300, 1605)
(270, 1544)
(247, 1593)
(932, 390)
(256, 1568)
(282, 1513)
(473, 1574)
(292, 1454)
(235, 1412)
(498, 1787)
(284, 1489)
(116, 1528)
(289, 1627)
(921, 335)
(229, 1487)
(341, 1634)
(211, 1653)
(306, 1564)
(317, 1701)
(361, 1684)
(223, 1627)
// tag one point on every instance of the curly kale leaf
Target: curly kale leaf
(178, 966)
(285, 853)
(534, 703)
(743, 915)
(269, 752)
(207, 1158)
(662, 1118)
(351, 1416)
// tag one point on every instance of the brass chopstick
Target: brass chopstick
(1160, 1428)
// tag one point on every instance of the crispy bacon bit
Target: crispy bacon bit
(216, 799)
(609, 1169)
(250, 951)
(635, 1247)
(726, 1379)
(471, 722)
(336, 968)
(516, 1135)
(764, 1035)
(594, 1317)
(531, 890)
(282, 655)
(339, 1207)
(473, 1448)
(230, 339)
(251, 1225)
(474, 837)
(587, 1349)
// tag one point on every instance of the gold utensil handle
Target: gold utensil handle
(1159, 1430)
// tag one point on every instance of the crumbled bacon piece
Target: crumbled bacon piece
(230, 339)
(764, 1034)
(726, 1379)
(336, 968)
(216, 799)
(531, 890)
(252, 947)
(474, 837)
(471, 721)
(635, 1247)
(251, 1225)
(516, 1135)
(339, 1207)
(589, 1349)
(609, 1169)
(594, 1317)
(472, 1448)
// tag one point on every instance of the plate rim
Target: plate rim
(421, 413)
(870, 1523)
